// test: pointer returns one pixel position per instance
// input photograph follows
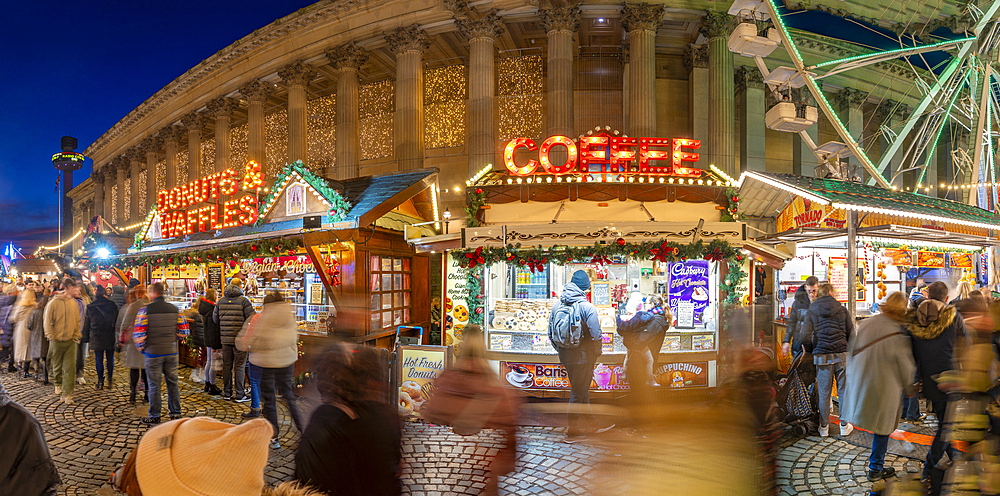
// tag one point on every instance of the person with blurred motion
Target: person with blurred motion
(134, 360)
(880, 369)
(83, 349)
(7, 300)
(272, 340)
(964, 292)
(213, 340)
(934, 327)
(118, 295)
(643, 332)
(99, 330)
(829, 328)
(38, 346)
(231, 312)
(351, 446)
(918, 296)
(26, 467)
(202, 456)
(158, 326)
(21, 314)
(63, 329)
(197, 327)
(804, 297)
(575, 332)
(470, 397)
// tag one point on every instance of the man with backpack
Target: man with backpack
(575, 332)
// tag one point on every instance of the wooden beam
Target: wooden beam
(320, 265)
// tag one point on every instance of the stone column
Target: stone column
(560, 24)
(97, 177)
(482, 34)
(296, 77)
(256, 93)
(696, 61)
(222, 108)
(194, 122)
(717, 26)
(640, 21)
(135, 159)
(152, 147)
(110, 179)
(122, 164)
(750, 88)
(347, 59)
(850, 103)
(409, 43)
(172, 135)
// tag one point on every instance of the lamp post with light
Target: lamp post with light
(447, 219)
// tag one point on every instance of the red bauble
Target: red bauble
(170, 260)
(735, 199)
(620, 241)
(159, 260)
(739, 258)
(291, 253)
(232, 264)
(253, 247)
(479, 191)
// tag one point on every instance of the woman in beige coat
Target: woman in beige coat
(20, 314)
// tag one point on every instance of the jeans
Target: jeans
(938, 448)
(163, 367)
(100, 356)
(209, 366)
(233, 360)
(277, 380)
(62, 354)
(255, 377)
(580, 369)
(133, 380)
(911, 407)
(877, 460)
(826, 371)
(82, 350)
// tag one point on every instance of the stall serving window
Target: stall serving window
(391, 292)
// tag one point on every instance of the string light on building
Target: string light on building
(114, 204)
(276, 137)
(161, 174)
(207, 156)
(519, 96)
(322, 133)
(64, 243)
(377, 107)
(238, 147)
(444, 106)
(142, 188)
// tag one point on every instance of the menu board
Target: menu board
(456, 306)
(683, 375)
(419, 366)
(933, 259)
(550, 376)
(901, 258)
(601, 294)
(214, 275)
(689, 284)
(836, 273)
(961, 260)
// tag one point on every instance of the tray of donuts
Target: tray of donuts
(412, 397)
(521, 315)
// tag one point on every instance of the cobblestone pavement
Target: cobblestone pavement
(89, 439)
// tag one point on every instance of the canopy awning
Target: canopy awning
(890, 231)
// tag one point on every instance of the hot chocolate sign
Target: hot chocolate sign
(201, 205)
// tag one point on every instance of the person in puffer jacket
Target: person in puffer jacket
(231, 311)
(213, 341)
(829, 327)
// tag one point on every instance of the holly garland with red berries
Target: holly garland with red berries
(477, 198)
(227, 254)
(730, 212)
(535, 259)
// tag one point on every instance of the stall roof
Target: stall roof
(371, 198)
(34, 266)
(889, 231)
(764, 195)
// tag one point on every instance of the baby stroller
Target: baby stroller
(798, 402)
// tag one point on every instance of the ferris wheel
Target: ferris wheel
(961, 94)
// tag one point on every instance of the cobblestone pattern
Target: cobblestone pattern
(815, 465)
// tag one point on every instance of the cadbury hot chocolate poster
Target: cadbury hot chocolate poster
(689, 290)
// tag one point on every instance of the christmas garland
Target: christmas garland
(231, 253)
(474, 283)
(477, 198)
(339, 207)
(731, 208)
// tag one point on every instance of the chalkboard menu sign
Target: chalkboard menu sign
(601, 294)
(215, 278)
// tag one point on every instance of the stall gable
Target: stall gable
(295, 200)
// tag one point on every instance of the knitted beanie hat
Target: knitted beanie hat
(202, 456)
(581, 279)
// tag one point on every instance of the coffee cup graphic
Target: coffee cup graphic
(519, 375)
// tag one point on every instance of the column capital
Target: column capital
(223, 107)
(172, 133)
(193, 121)
(748, 77)
(407, 39)
(297, 73)
(560, 18)
(849, 97)
(641, 16)
(457, 7)
(136, 153)
(490, 25)
(696, 56)
(716, 24)
(256, 90)
(348, 55)
(121, 163)
(151, 144)
(890, 109)
(97, 177)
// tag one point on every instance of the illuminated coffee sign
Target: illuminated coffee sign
(604, 154)
(206, 204)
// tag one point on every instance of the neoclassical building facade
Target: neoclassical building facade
(362, 87)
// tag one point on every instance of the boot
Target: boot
(26, 367)
(45, 372)
(110, 381)
(214, 390)
(253, 413)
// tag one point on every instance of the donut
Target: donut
(405, 404)
(498, 323)
(418, 404)
(411, 388)
(461, 313)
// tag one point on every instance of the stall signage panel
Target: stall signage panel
(802, 212)
(298, 264)
(202, 205)
(683, 375)
(933, 259)
(836, 273)
(606, 154)
(689, 286)
(418, 368)
(215, 277)
(456, 305)
(901, 258)
(553, 376)
(961, 260)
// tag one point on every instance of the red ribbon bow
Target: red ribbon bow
(715, 255)
(536, 265)
(660, 254)
(600, 260)
(476, 257)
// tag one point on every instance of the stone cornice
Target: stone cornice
(256, 90)
(716, 24)
(840, 49)
(297, 73)
(849, 97)
(748, 77)
(223, 107)
(696, 56)
(406, 39)
(891, 109)
(282, 28)
(641, 16)
(347, 56)
(490, 25)
(560, 18)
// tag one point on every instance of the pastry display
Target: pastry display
(461, 313)
(448, 340)
(405, 403)
(459, 328)
(499, 324)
